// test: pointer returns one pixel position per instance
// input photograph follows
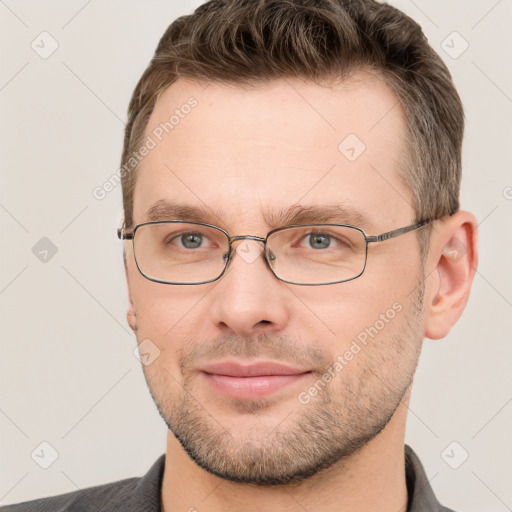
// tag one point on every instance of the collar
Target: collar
(147, 493)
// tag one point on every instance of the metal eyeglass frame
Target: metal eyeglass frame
(130, 235)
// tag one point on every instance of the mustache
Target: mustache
(260, 345)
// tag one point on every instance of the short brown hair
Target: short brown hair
(251, 42)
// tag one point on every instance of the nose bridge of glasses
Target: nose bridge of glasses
(248, 252)
(247, 237)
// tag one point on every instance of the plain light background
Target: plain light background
(68, 374)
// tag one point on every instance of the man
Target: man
(292, 233)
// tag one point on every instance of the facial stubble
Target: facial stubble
(344, 416)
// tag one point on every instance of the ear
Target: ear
(131, 316)
(450, 268)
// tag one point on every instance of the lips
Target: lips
(251, 381)
(232, 369)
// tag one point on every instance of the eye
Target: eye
(190, 240)
(321, 240)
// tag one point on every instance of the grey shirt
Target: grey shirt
(143, 494)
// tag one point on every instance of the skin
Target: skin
(245, 153)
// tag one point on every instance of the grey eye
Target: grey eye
(191, 240)
(319, 241)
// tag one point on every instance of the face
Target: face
(260, 380)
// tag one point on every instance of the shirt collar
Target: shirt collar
(147, 493)
(421, 497)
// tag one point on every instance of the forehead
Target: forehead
(243, 151)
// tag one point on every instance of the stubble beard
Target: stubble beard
(347, 414)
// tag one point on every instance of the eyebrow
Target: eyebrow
(163, 210)
(294, 214)
(317, 214)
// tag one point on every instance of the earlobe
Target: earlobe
(453, 260)
(131, 316)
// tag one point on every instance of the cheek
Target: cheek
(168, 312)
(343, 310)
(160, 305)
(394, 270)
(166, 326)
(167, 315)
(372, 308)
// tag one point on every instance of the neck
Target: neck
(373, 478)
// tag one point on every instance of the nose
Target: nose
(248, 298)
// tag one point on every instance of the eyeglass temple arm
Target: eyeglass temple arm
(396, 232)
(123, 235)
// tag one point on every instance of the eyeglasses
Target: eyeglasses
(179, 252)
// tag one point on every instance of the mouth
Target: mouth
(251, 381)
